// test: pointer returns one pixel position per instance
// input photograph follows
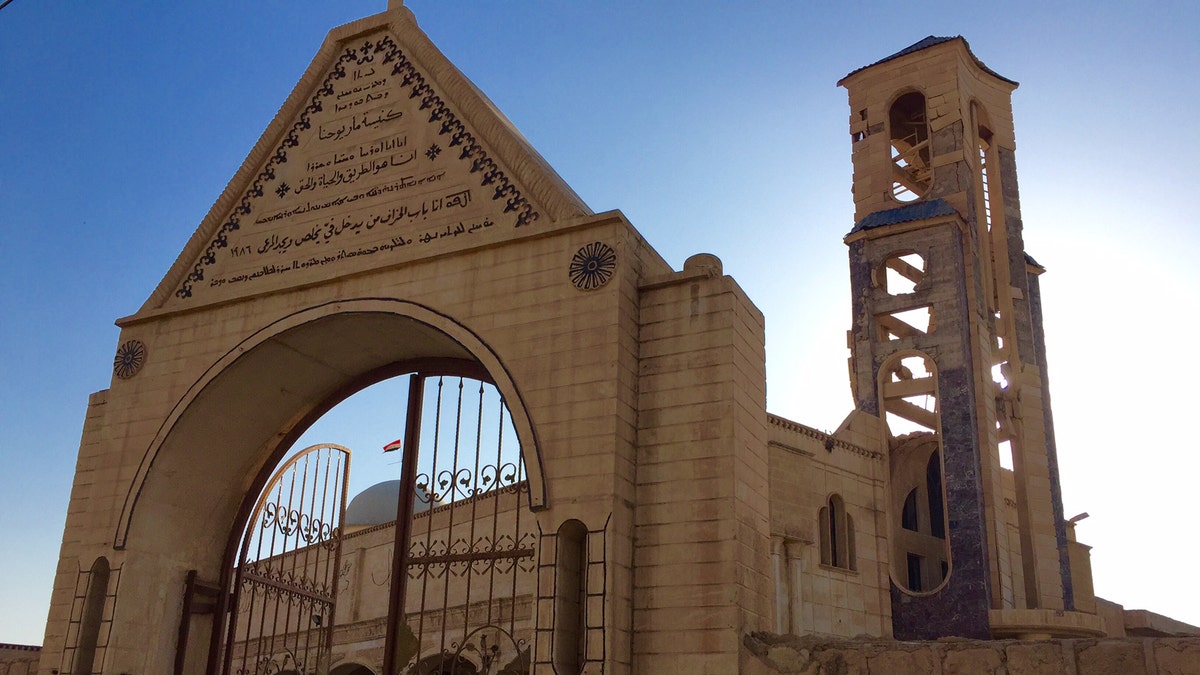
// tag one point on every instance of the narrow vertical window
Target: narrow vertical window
(837, 535)
(570, 606)
(93, 614)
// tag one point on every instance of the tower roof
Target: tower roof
(922, 210)
(926, 43)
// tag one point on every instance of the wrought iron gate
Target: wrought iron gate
(284, 592)
(465, 578)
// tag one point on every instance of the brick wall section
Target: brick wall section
(701, 552)
(766, 654)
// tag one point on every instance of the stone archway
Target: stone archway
(223, 438)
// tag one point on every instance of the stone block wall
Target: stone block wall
(765, 654)
(19, 659)
(807, 467)
(701, 533)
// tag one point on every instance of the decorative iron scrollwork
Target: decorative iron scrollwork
(482, 555)
(455, 484)
(487, 650)
(293, 521)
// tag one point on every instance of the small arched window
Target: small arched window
(837, 535)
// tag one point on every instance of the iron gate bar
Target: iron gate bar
(431, 493)
(404, 518)
(453, 507)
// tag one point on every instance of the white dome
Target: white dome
(377, 505)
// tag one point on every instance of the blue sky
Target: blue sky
(714, 127)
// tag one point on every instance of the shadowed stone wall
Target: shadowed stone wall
(767, 654)
(19, 659)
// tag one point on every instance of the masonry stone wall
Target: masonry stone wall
(19, 659)
(765, 654)
(701, 532)
(807, 467)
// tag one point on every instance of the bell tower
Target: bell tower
(947, 349)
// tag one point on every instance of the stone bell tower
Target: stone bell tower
(947, 350)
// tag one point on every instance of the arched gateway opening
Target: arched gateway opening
(201, 479)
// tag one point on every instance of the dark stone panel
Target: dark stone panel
(862, 320)
(961, 607)
(948, 139)
(951, 179)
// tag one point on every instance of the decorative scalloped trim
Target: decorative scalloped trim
(804, 430)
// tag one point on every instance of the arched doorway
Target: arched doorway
(201, 477)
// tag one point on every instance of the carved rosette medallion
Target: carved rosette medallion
(129, 359)
(592, 266)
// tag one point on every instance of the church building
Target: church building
(590, 479)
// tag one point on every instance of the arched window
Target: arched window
(912, 170)
(570, 598)
(92, 616)
(920, 560)
(920, 550)
(837, 535)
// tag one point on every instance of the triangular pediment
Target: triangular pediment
(384, 153)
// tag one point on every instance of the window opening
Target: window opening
(900, 274)
(91, 618)
(908, 517)
(921, 550)
(914, 573)
(910, 403)
(912, 171)
(1006, 456)
(984, 143)
(906, 323)
(837, 535)
(570, 602)
(920, 538)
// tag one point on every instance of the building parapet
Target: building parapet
(828, 440)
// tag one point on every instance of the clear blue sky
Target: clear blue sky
(714, 126)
